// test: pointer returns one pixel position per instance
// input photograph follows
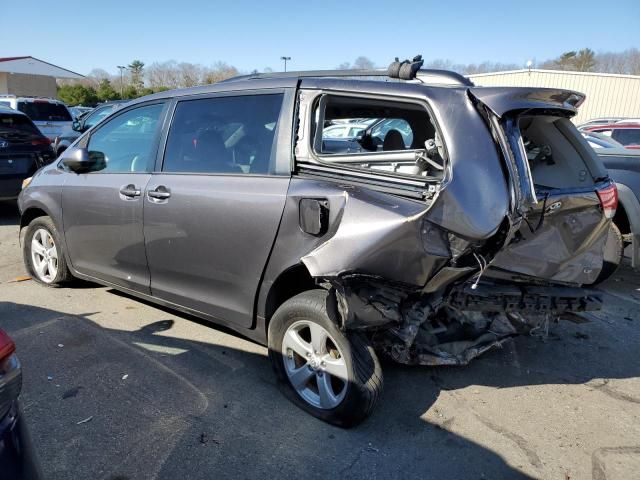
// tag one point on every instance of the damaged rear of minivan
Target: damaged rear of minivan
(459, 218)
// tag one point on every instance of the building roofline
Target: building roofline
(10, 59)
(554, 72)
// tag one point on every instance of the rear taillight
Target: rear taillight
(41, 141)
(608, 199)
(7, 347)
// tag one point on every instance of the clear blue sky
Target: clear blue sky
(84, 34)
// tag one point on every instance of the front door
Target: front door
(102, 209)
(212, 213)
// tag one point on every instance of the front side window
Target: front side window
(125, 143)
(223, 135)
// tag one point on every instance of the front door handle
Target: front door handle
(130, 191)
(160, 193)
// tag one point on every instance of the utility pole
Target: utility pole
(121, 68)
(285, 62)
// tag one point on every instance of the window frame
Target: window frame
(85, 139)
(281, 150)
(343, 161)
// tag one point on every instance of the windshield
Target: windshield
(16, 124)
(45, 111)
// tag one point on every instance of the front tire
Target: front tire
(43, 255)
(332, 375)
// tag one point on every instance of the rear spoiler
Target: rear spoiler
(501, 100)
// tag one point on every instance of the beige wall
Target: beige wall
(607, 95)
(29, 85)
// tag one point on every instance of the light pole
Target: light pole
(285, 62)
(121, 68)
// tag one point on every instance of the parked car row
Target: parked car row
(463, 216)
(23, 150)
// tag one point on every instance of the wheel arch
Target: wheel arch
(292, 281)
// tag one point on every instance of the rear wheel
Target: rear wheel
(613, 254)
(43, 255)
(334, 376)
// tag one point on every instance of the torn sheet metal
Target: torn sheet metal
(565, 245)
(417, 328)
(383, 236)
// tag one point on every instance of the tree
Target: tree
(78, 95)
(584, 61)
(363, 63)
(106, 92)
(218, 72)
(130, 92)
(136, 67)
(360, 63)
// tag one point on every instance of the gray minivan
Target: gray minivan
(223, 201)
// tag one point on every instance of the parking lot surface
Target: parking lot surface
(119, 389)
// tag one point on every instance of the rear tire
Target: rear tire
(43, 254)
(613, 254)
(308, 349)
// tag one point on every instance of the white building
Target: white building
(30, 76)
(608, 94)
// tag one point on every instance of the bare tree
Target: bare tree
(219, 71)
(190, 74)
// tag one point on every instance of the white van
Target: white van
(52, 117)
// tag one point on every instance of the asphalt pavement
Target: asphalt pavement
(118, 389)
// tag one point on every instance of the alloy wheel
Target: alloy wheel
(314, 364)
(44, 255)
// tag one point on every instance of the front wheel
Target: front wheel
(333, 375)
(43, 255)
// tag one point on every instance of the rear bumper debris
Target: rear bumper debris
(428, 329)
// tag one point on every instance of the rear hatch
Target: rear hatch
(563, 198)
(52, 118)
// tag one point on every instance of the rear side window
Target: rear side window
(45, 111)
(223, 135)
(372, 134)
(12, 124)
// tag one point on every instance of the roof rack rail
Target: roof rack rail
(426, 76)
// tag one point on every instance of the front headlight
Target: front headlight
(26, 182)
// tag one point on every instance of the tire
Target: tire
(613, 254)
(46, 234)
(351, 373)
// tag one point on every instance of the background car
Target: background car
(623, 165)
(628, 134)
(84, 123)
(79, 111)
(598, 140)
(17, 457)
(52, 117)
(23, 149)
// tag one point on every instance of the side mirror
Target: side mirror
(80, 160)
(77, 126)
